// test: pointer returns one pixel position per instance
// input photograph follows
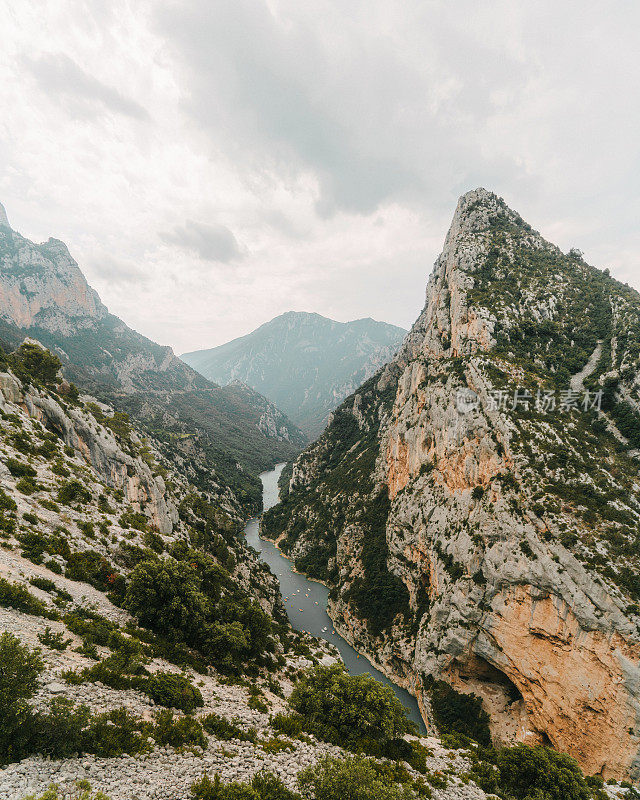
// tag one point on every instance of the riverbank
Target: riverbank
(306, 602)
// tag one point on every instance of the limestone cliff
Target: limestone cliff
(226, 438)
(476, 505)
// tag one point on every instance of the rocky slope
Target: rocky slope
(307, 364)
(231, 435)
(476, 505)
(84, 501)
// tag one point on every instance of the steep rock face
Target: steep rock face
(307, 364)
(473, 533)
(43, 286)
(79, 431)
(231, 436)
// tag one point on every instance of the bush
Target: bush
(92, 567)
(7, 503)
(117, 732)
(27, 486)
(354, 778)
(177, 732)
(73, 492)
(263, 786)
(60, 731)
(82, 792)
(454, 712)
(175, 691)
(289, 724)
(15, 595)
(20, 668)
(55, 641)
(355, 711)
(222, 729)
(31, 361)
(539, 773)
(19, 469)
(182, 600)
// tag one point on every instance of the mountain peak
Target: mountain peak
(4, 220)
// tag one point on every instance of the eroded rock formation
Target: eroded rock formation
(474, 533)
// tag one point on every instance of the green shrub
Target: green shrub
(15, 595)
(19, 469)
(27, 486)
(20, 669)
(289, 724)
(60, 732)
(222, 729)
(454, 712)
(540, 773)
(355, 711)
(55, 641)
(45, 584)
(175, 691)
(73, 492)
(183, 600)
(263, 786)
(7, 503)
(117, 732)
(33, 362)
(82, 792)
(354, 778)
(87, 528)
(92, 567)
(257, 704)
(177, 732)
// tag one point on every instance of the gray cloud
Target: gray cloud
(367, 117)
(59, 75)
(104, 266)
(210, 242)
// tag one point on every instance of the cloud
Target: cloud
(210, 242)
(373, 110)
(59, 75)
(333, 138)
(104, 267)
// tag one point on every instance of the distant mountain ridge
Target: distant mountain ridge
(225, 436)
(306, 363)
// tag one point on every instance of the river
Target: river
(306, 601)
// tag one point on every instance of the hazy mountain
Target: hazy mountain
(226, 435)
(475, 513)
(307, 364)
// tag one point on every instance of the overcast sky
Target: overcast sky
(213, 163)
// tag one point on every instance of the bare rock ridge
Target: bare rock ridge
(476, 513)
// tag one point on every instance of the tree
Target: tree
(34, 361)
(355, 711)
(539, 773)
(166, 596)
(20, 668)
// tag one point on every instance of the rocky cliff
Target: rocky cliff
(476, 505)
(226, 437)
(307, 364)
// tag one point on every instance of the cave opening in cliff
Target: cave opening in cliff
(476, 671)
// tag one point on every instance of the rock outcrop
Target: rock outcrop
(476, 513)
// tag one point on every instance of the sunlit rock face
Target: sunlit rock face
(472, 530)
